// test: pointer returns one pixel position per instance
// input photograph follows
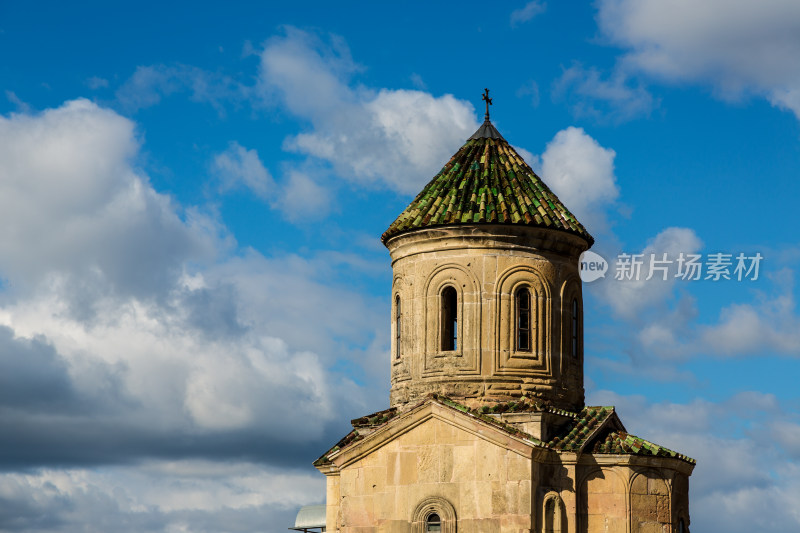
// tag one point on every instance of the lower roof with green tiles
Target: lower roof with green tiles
(594, 430)
(486, 182)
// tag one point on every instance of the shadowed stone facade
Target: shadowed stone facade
(487, 430)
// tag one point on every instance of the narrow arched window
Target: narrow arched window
(681, 526)
(449, 319)
(575, 325)
(523, 302)
(397, 327)
(433, 523)
(553, 507)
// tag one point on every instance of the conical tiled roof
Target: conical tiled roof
(486, 182)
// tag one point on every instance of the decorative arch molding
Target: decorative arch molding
(570, 291)
(650, 473)
(465, 359)
(619, 481)
(401, 366)
(553, 513)
(429, 506)
(508, 360)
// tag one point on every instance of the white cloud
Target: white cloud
(394, 138)
(304, 198)
(772, 324)
(736, 46)
(615, 99)
(73, 204)
(581, 173)
(239, 166)
(149, 84)
(12, 97)
(96, 82)
(129, 334)
(665, 320)
(167, 496)
(299, 197)
(136, 312)
(527, 12)
(632, 298)
(529, 91)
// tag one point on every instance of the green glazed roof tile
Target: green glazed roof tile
(595, 430)
(486, 181)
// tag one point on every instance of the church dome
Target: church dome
(486, 182)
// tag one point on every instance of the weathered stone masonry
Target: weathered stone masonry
(487, 430)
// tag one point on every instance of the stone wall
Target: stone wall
(486, 264)
(438, 459)
(488, 486)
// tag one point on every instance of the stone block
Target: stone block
(392, 469)
(408, 469)
(446, 433)
(663, 511)
(657, 486)
(483, 499)
(485, 525)
(490, 461)
(519, 467)
(374, 479)
(500, 499)
(427, 465)
(468, 501)
(606, 504)
(445, 460)
(423, 434)
(644, 508)
(524, 497)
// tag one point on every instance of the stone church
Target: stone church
(487, 430)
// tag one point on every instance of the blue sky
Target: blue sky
(193, 294)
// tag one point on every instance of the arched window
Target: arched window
(575, 325)
(397, 327)
(523, 303)
(449, 319)
(553, 511)
(433, 523)
(682, 526)
(434, 514)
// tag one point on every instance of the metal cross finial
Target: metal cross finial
(488, 102)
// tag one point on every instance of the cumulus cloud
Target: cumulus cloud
(771, 324)
(615, 98)
(527, 12)
(304, 197)
(150, 84)
(298, 197)
(238, 166)
(96, 82)
(630, 298)
(737, 47)
(392, 138)
(529, 91)
(581, 173)
(186, 495)
(75, 211)
(189, 350)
